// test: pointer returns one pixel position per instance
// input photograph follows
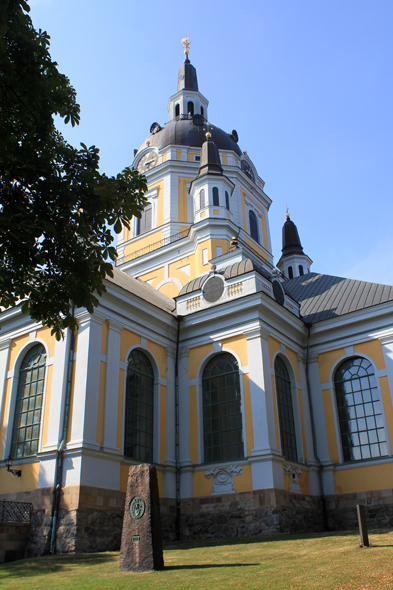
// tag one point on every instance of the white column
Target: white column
(186, 473)
(387, 347)
(4, 354)
(328, 483)
(58, 393)
(170, 410)
(312, 462)
(109, 442)
(87, 380)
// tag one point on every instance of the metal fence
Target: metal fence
(15, 511)
(155, 246)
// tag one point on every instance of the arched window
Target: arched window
(190, 107)
(227, 200)
(222, 415)
(360, 411)
(144, 224)
(290, 272)
(138, 426)
(216, 200)
(285, 410)
(177, 110)
(202, 199)
(301, 272)
(27, 420)
(253, 226)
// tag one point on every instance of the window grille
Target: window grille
(222, 416)
(285, 410)
(360, 411)
(27, 417)
(139, 412)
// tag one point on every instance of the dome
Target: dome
(191, 133)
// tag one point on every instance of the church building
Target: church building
(261, 393)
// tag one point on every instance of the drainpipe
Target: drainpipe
(60, 450)
(314, 439)
(177, 454)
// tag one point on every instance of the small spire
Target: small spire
(287, 214)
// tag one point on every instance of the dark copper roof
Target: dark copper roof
(290, 239)
(191, 133)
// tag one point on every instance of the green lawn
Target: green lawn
(276, 562)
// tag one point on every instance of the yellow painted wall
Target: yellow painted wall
(264, 232)
(273, 346)
(180, 275)
(329, 418)
(183, 180)
(195, 357)
(45, 335)
(119, 438)
(224, 160)
(170, 290)
(293, 358)
(28, 480)
(178, 155)
(364, 479)
(127, 339)
(387, 404)
(164, 157)
(101, 404)
(325, 362)
(239, 346)
(104, 339)
(303, 482)
(158, 275)
(159, 354)
(142, 242)
(300, 406)
(244, 211)
(16, 346)
(250, 242)
(162, 423)
(372, 349)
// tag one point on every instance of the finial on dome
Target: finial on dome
(208, 135)
(186, 46)
(287, 214)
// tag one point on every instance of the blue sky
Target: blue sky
(307, 85)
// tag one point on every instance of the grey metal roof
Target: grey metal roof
(193, 285)
(142, 290)
(323, 296)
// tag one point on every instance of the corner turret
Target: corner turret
(293, 262)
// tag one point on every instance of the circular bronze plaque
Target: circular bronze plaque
(213, 289)
(137, 507)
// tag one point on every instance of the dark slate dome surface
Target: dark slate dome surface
(192, 134)
(290, 239)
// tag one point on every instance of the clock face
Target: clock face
(248, 170)
(148, 161)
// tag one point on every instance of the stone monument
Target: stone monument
(141, 541)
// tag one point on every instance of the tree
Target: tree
(56, 209)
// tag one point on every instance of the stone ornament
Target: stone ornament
(137, 507)
(223, 478)
(294, 474)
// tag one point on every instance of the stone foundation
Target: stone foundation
(341, 510)
(13, 540)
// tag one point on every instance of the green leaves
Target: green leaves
(56, 209)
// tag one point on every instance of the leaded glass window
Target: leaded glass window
(222, 415)
(253, 226)
(139, 413)
(27, 420)
(360, 411)
(285, 410)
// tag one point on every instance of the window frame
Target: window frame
(252, 214)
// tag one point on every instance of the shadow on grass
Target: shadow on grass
(185, 545)
(53, 564)
(208, 565)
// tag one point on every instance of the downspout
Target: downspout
(177, 442)
(60, 450)
(314, 439)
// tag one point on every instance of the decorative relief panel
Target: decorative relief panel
(294, 474)
(223, 478)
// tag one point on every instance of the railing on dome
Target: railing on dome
(152, 247)
(15, 511)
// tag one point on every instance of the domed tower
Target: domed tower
(179, 233)
(293, 262)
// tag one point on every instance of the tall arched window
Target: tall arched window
(202, 199)
(190, 107)
(177, 110)
(138, 426)
(144, 224)
(227, 200)
(27, 420)
(253, 226)
(216, 200)
(285, 410)
(360, 411)
(222, 415)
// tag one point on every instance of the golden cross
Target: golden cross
(186, 45)
(287, 215)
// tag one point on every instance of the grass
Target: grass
(325, 561)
